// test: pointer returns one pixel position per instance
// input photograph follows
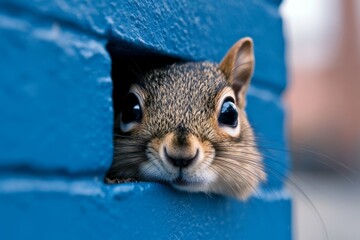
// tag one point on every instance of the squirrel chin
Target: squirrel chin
(190, 186)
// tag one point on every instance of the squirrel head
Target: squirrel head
(185, 125)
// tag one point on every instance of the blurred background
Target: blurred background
(323, 104)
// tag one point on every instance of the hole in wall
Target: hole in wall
(129, 63)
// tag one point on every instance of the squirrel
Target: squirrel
(185, 124)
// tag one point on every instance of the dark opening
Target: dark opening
(129, 63)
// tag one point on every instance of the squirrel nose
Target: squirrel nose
(179, 161)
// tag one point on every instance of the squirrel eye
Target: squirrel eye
(228, 113)
(132, 110)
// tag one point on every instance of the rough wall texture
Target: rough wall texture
(56, 119)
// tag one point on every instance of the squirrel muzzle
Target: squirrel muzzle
(180, 150)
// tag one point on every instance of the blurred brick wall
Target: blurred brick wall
(323, 98)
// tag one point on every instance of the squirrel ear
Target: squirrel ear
(238, 66)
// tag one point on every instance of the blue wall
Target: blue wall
(56, 119)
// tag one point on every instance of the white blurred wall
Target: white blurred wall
(323, 105)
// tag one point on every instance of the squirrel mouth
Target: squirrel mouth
(180, 181)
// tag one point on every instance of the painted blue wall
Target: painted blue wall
(56, 119)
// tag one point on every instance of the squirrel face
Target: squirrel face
(185, 125)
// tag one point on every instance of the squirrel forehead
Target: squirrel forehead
(182, 94)
(189, 81)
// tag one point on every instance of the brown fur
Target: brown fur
(180, 105)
